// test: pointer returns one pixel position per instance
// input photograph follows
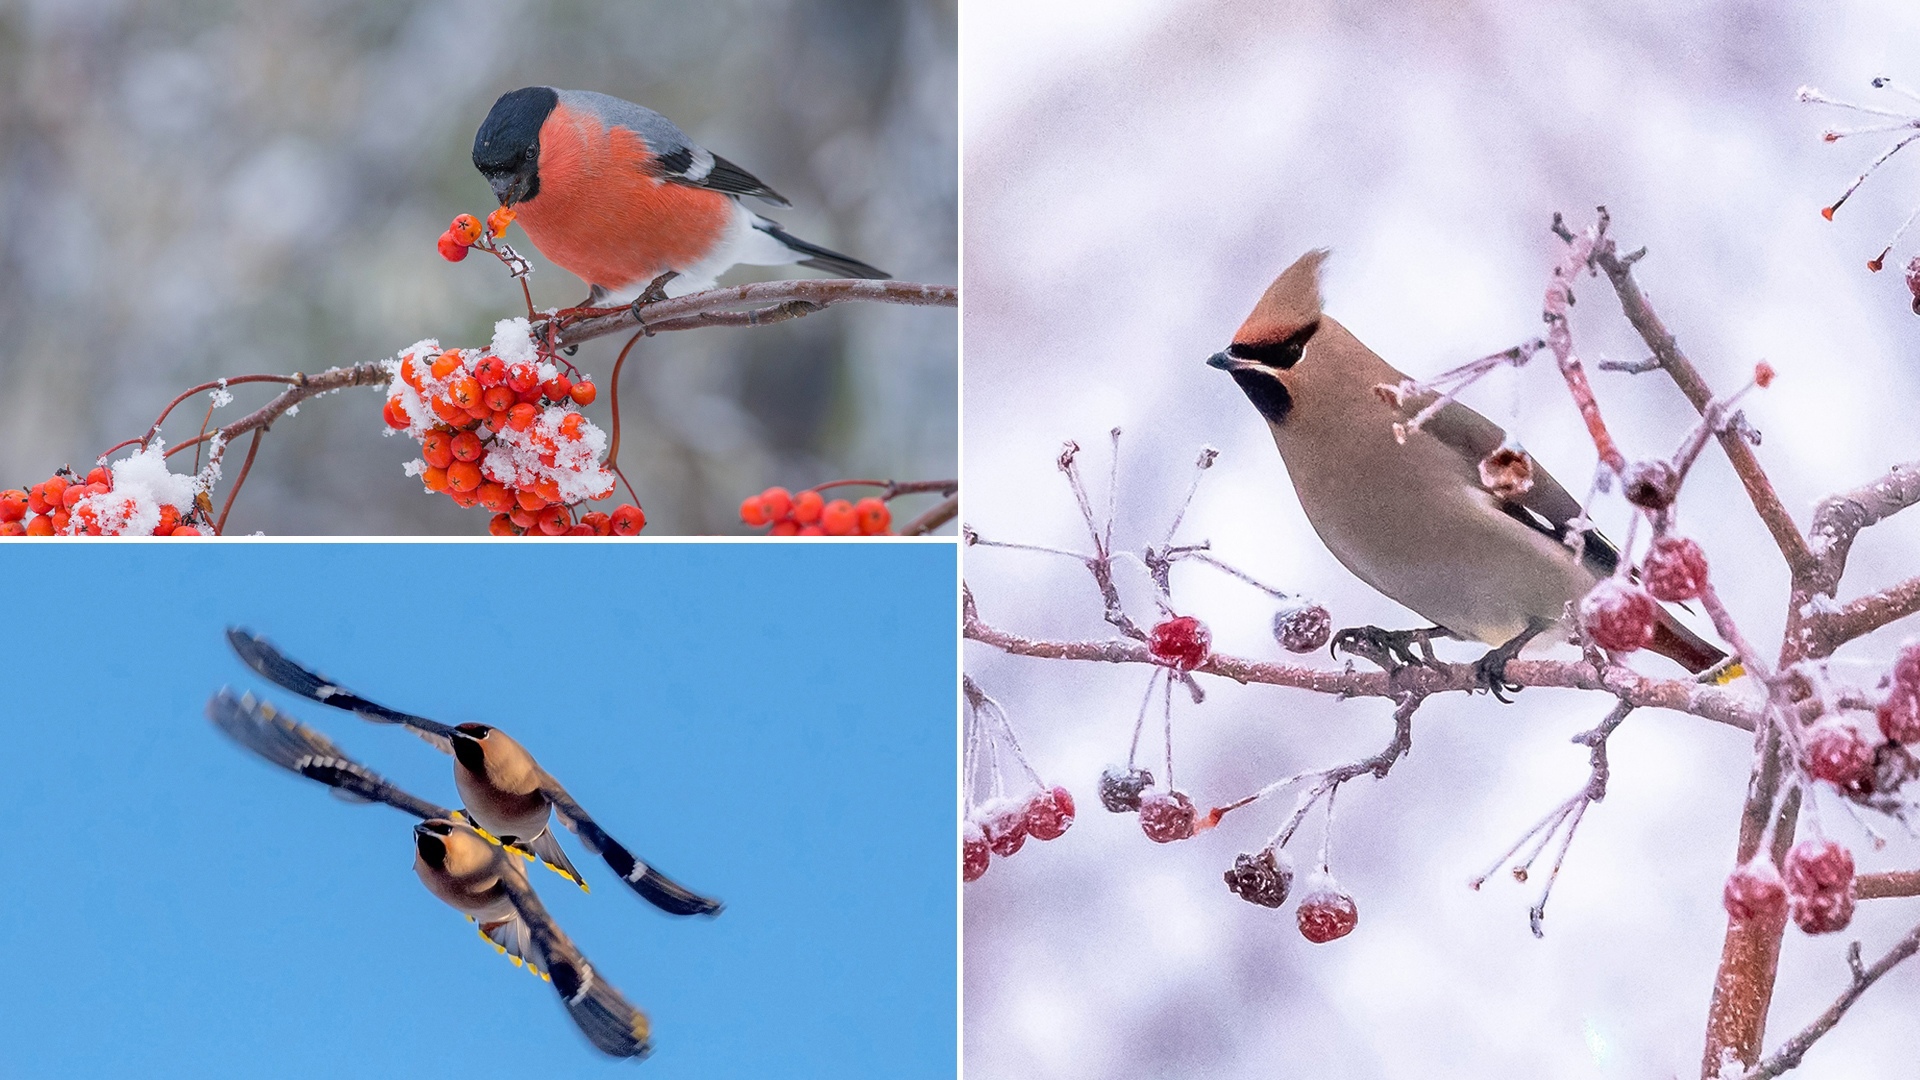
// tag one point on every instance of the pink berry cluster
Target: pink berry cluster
(1817, 887)
(1620, 615)
(1837, 750)
(1001, 826)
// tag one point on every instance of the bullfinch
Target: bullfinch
(1414, 519)
(463, 868)
(618, 196)
(504, 790)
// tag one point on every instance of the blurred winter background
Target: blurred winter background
(195, 190)
(1137, 172)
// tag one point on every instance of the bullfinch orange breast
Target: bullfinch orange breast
(617, 195)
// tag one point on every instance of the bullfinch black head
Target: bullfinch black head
(506, 149)
(1275, 336)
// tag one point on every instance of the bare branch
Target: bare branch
(764, 301)
(941, 513)
(1791, 1051)
(1891, 883)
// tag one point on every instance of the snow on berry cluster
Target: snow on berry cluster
(810, 514)
(135, 496)
(1017, 804)
(498, 428)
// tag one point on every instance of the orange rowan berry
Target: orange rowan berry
(495, 497)
(873, 515)
(467, 446)
(463, 476)
(40, 526)
(522, 378)
(601, 524)
(186, 530)
(13, 528)
(752, 511)
(446, 363)
(100, 474)
(451, 249)
(498, 399)
(464, 392)
(838, 518)
(530, 501)
(557, 388)
(807, 506)
(72, 496)
(778, 503)
(465, 229)
(784, 527)
(434, 477)
(55, 489)
(409, 372)
(37, 499)
(556, 520)
(502, 525)
(526, 519)
(547, 488)
(498, 221)
(490, 370)
(13, 505)
(169, 520)
(581, 530)
(583, 393)
(395, 414)
(449, 412)
(570, 425)
(61, 519)
(464, 499)
(811, 530)
(522, 416)
(628, 520)
(436, 447)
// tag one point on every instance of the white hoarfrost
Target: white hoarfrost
(521, 459)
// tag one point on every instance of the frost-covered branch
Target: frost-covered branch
(755, 304)
(1791, 1051)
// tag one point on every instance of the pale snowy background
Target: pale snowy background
(1136, 174)
(194, 190)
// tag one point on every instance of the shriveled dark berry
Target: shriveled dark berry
(1261, 878)
(1303, 629)
(1120, 788)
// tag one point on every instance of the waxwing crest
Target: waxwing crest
(1291, 303)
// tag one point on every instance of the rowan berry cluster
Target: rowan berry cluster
(466, 231)
(1014, 808)
(135, 496)
(499, 428)
(809, 513)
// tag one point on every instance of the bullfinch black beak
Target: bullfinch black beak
(503, 188)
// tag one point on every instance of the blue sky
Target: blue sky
(770, 724)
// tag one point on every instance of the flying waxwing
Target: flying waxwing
(464, 868)
(505, 791)
(1413, 519)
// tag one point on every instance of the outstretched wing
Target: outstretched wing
(653, 886)
(298, 748)
(260, 655)
(607, 1019)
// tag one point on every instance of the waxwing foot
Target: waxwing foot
(1490, 671)
(1391, 650)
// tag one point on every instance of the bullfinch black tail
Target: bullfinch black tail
(821, 258)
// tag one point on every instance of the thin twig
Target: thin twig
(767, 301)
(1791, 1051)
(939, 514)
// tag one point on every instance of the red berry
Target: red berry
(583, 393)
(495, 497)
(1836, 752)
(464, 230)
(786, 527)
(1675, 570)
(1899, 715)
(467, 446)
(1826, 913)
(558, 388)
(522, 378)
(1005, 822)
(490, 371)
(522, 416)
(497, 399)
(628, 520)
(1326, 913)
(1182, 643)
(1754, 891)
(100, 474)
(1818, 866)
(1303, 629)
(13, 504)
(1049, 813)
(1651, 485)
(1261, 878)
(873, 516)
(777, 501)
(1906, 666)
(838, 518)
(601, 524)
(1166, 816)
(807, 507)
(974, 853)
(502, 525)
(395, 415)
(1618, 616)
(1120, 788)
(436, 447)
(753, 511)
(451, 249)
(463, 477)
